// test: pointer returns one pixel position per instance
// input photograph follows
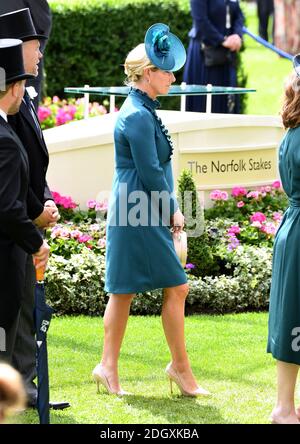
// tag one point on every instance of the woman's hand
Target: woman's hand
(177, 221)
(233, 42)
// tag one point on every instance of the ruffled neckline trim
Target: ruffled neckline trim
(151, 105)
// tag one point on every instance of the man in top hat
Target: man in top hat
(18, 235)
(41, 208)
(42, 20)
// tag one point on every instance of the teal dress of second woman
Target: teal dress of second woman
(140, 254)
(284, 313)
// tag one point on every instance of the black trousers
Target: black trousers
(24, 353)
(265, 8)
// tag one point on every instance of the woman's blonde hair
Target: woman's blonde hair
(135, 63)
(291, 104)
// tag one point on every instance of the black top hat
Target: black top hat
(11, 62)
(18, 25)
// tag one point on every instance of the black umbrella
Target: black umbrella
(42, 316)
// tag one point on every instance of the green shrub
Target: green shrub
(199, 251)
(76, 285)
(247, 288)
(91, 39)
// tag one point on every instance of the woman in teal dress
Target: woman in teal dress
(140, 253)
(284, 316)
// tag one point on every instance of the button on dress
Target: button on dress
(140, 254)
(284, 312)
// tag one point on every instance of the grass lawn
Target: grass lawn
(227, 354)
(266, 72)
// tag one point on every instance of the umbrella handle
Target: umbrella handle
(39, 272)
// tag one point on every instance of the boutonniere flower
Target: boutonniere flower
(31, 92)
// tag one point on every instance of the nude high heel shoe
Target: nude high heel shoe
(174, 377)
(101, 378)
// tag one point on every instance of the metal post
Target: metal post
(183, 98)
(112, 101)
(86, 103)
(208, 98)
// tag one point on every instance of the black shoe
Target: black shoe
(59, 405)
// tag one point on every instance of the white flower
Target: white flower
(31, 92)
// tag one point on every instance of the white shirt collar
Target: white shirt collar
(3, 115)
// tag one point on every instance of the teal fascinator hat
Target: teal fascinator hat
(296, 63)
(164, 49)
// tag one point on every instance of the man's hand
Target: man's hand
(233, 42)
(48, 217)
(51, 204)
(42, 256)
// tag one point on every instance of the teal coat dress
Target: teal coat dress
(140, 254)
(284, 316)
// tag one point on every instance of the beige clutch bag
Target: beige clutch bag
(180, 244)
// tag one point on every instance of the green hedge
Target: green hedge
(91, 39)
(76, 285)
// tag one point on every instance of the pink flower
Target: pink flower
(55, 231)
(238, 191)
(270, 228)
(91, 204)
(102, 206)
(258, 217)
(234, 229)
(94, 228)
(256, 224)
(75, 234)
(67, 202)
(84, 238)
(218, 195)
(43, 113)
(254, 194)
(240, 204)
(55, 99)
(59, 231)
(64, 201)
(277, 216)
(215, 195)
(276, 184)
(63, 116)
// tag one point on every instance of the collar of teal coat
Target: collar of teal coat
(153, 104)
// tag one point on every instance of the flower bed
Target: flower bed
(56, 112)
(229, 266)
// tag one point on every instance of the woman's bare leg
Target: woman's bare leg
(284, 412)
(115, 322)
(173, 323)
